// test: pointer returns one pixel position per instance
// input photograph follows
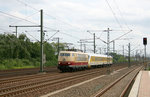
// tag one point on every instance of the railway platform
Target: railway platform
(141, 86)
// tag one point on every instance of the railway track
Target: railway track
(125, 92)
(23, 79)
(108, 91)
(40, 84)
(26, 78)
(29, 71)
(41, 77)
(13, 80)
(22, 72)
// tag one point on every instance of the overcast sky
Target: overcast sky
(74, 17)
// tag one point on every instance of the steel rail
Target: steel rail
(25, 78)
(33, 86)
(4, 74)
(114, 83)
(128, 86)
(18, 79)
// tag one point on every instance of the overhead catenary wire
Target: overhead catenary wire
(69, 35)
(27, 5)
(45, 13)
(74, 27)
(121, 36)
(2, 29)
(135, 48)
(62, 33)
(116, 19)
(32, 22)
(97, 37)
(35, 10)
(32, 36)
(101, 35)
(10, 15)
(111, 40)
(25, 17)
(121, 14)
(51, 17)
(6, 31)
(52, 35)
(62, 21)
(38, 10)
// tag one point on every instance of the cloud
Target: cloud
(75, 17)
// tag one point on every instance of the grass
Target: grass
(8, 64)
(24, 67)
(17, 64)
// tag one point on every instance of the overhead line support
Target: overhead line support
(41, 25)
(42, 37)
(23, 26)
(94, 43)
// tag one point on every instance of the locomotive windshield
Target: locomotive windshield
(64, 54)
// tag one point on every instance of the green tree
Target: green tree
(21, 52)
(118, 58)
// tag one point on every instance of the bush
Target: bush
(2, 67)
(9, 64)
(22, 53)
(24, 63)
(17, 63)
(35, 62)
(51, 63)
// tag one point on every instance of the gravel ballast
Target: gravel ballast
(90, 88)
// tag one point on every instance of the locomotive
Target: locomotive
(71, 60)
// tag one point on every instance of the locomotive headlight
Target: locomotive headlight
(68, 62)
(59, 63)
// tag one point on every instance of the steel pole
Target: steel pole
(94, 43)
(41, 65)
(129, 56)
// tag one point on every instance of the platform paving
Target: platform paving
(141, 87)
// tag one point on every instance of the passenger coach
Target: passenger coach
(98, 60)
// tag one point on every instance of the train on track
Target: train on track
(71, 60)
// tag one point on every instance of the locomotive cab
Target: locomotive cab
(69, 60)
(65, 59)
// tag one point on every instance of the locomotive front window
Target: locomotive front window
(64, 54)
(67, 54)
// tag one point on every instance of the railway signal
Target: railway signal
(145, 41)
